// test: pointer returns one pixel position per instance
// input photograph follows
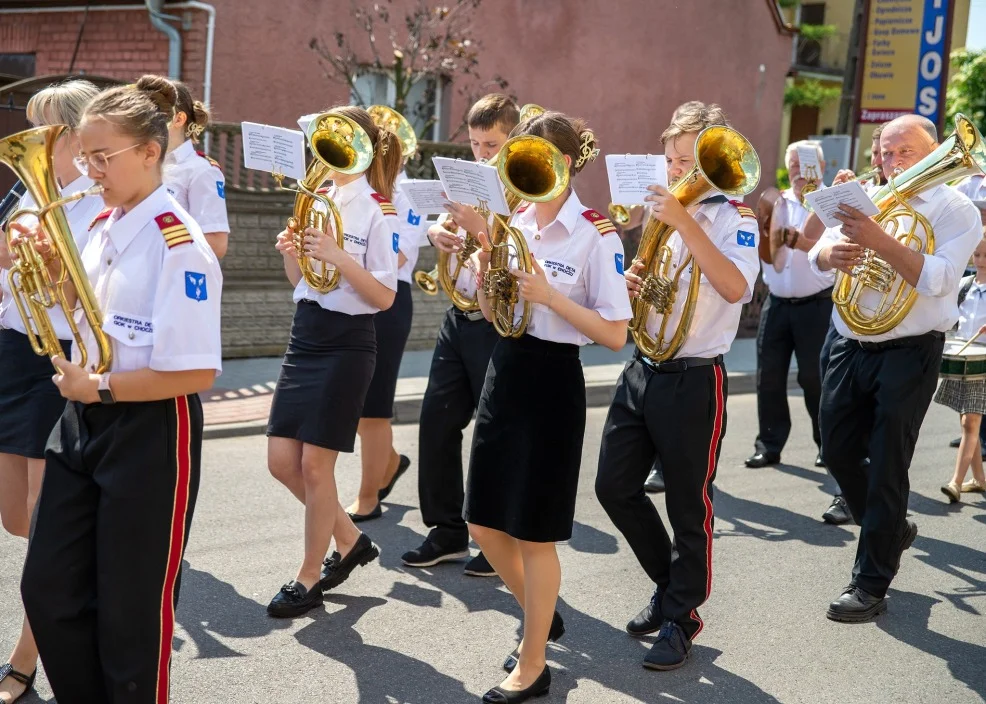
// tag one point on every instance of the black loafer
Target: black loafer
(7, 670)
(838, 511)
(910, 533)
(294, 599)
(430, 554)
(955, 443)
(479, 566)
(361, 517)
(556, 631)
(670, 650)
(403, 463)
(654, 484)
(329, 564)
(762, 459)
(819, 462)
(649, 620)
(514, 696)
(856, 606)
(364, 552)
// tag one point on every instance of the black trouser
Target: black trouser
(103, 568)
(873, 401)
(679, 417)
(789, 326)
(458, 369)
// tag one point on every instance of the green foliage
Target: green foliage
(817, 32)
(810, 93)
(967, 88)
(788, 3)
(783, 181)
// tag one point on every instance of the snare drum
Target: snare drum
(971, 364)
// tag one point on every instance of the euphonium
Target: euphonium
(35, 292)
(960, 155)
(531, 169)
(389, 119)
(725, 161)
(341, 146)
(445, 276)
(530, 110)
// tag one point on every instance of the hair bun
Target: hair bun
(161, 92)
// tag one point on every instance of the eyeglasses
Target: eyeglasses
(98, 161)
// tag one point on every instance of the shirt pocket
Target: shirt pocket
(134, 335)
(565, 277)
(356, 246)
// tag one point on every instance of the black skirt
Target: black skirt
(527, 445)
(392, 327)
(30, 404)
(324, 377)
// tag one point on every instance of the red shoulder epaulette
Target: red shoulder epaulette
(385, 205)
(322, 191)
(523, 207)
(743, 208)
(173, 229)
(102, 216)
(603, 224)
(209, 159)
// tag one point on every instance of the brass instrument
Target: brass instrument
(389, 119)
(621, 214)
(868, 175)
(341, 146)
(813, 178)
(960, 155)
(531, 169)
(530, 110)
(444, 277)
(35, 291)
(725, 161)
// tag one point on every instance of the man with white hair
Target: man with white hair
(794, 320)
(877, 388)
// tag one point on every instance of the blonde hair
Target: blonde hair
(142, 110)
(571, 135)
(60, 103)
(693, 116)
(387, 157)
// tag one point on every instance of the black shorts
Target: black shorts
(324, 377)
(392, 327)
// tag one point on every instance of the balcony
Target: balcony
(820, 52)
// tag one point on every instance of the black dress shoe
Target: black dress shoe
(838, 511)
(762, 459)
(819, 462)
(294, 599)
(955, 443)
(403, 463)
(654, 484)
(364, 552)
(649, 620)
(7, 670)
(670, 650)
(360, 517)
(430, 554)
(556, 631)
(330, 563)
(479, 566)
(856, 606)
(910, 533)
(515, 696)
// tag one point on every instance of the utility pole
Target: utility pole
(854, 56)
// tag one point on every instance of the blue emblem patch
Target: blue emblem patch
(397, 242)
(619, 264)
(195, 286)
(221, 189)
(745, 239)
(413, 219)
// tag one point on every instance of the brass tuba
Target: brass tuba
(341, 146)
(531, 169)
(725, 161)
(35, 291)
(445, 276)
(960, 155)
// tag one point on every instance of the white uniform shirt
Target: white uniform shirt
(715, 320)
(198, 186)
(796, 278)
(972, 311)
(974, 187)
(160, 304)
(79, 214)
(371, 238)
(580, 263)
(955, 221)
(414, 230)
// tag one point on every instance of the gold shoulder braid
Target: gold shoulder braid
(586, 151)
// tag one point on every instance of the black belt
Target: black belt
(676, 366)
(826, 293)
(472, 315)
(913, 341)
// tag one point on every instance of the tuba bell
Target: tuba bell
(875, 298)
(34, 289)
(725, 161)
(341, 146)
(445, 275)
(389, 119)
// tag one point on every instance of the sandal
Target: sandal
(972, 486)
(952, 491)
(7, 670)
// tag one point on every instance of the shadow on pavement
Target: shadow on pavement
(774, 523)
(826, 484)
(959, 562)
(591, 540)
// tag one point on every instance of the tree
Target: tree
(430, 43)
(967, 87)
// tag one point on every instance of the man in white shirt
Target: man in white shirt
(794, 320)
(877, 388)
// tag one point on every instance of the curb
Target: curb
(408, 410)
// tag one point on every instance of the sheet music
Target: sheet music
(427, 197)
(471, 183)
(269, 148)
(305, 120)
(808, 164)
(826, 201)
(631, 174)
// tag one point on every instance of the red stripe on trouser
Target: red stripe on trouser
(706, 499)
(183, 462)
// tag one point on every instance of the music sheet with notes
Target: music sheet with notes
(427, 197)
(826, 201)
(471, 183)
(631, 174)
(273, 149)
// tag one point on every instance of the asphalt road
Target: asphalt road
(395, 635)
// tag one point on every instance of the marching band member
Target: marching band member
(29, 403)
(866, 409)
(794, 320)
(676, 410)
(122, 466)
(192, 178)
(328, 365)
(458, 368)
(521, 489)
